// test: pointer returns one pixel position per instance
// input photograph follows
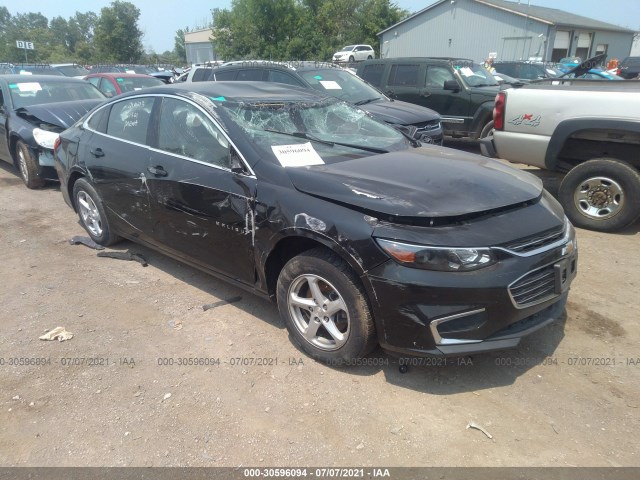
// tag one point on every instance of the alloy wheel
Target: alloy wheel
(319, 312)
(89, 213)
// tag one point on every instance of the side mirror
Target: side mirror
(108, 94)
(452, 85)
(235, 162)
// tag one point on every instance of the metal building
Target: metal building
(199, 47)
(508, 30)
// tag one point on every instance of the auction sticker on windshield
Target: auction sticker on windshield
(298, 155)
(29, 87)
(330, 85)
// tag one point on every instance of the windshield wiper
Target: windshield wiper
(368, 100)
(306, 136)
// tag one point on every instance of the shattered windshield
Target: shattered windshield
(297, 133)
(475, 75)
(341, 84)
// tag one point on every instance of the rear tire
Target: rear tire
(325, 308)
(601, 194)
(369, 57)
(92, 215)
(27, 166)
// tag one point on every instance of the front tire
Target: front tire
(601, 194)
(27, 166)
(351, 59)
(325, 308)
(92, 215)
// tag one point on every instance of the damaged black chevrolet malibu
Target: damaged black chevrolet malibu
(360, 235)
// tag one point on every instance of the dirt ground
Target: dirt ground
(568, 396)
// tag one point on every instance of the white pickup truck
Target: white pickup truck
(589, 130)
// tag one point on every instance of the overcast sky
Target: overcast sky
(159, 19)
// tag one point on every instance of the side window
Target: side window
(185, 130)
(98, 121)
(94, 81)
(129, 119)
(250, 74)
(201, 74)
(107, 87)
(373, 73)
(436, 76)
(283, 77)
(403, 76)
(223, 75)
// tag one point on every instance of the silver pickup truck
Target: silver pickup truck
(588, 130)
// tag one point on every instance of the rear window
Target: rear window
(223, 75)
(506, 68)
(403, 75)
(24, 94)
(73, 70)
(128, 84)
(373, 73)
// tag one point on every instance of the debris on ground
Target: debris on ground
(58, 333)
(125, 256)
(79, 239)
(175, 324)
(479, 427)
(219, 303)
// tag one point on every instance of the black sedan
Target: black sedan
(358, 234)
(33, 110)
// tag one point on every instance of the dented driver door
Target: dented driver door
(201, 210)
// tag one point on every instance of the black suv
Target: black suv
(422, 123)
(462, 91)
(629, 68)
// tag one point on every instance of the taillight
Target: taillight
(56, 144)
(498, 111)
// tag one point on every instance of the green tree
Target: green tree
(299, 29)
(179, 48)
(117, 35)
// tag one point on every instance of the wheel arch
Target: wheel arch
(292, 244)
(483, 115)
(566, 129)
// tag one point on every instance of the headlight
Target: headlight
(45, 138)
(442, 259)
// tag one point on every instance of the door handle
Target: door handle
(158, 171)
(97, 152)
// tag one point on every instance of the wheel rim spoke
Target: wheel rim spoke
(335, 307)
(337, 335)
(312, 329)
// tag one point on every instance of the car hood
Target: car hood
(61, 114)
(420, 185)
(398, 112)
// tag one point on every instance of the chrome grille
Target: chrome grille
(427, 126)
(528, 244)
(534, 287)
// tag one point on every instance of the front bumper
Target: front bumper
(423, 313)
